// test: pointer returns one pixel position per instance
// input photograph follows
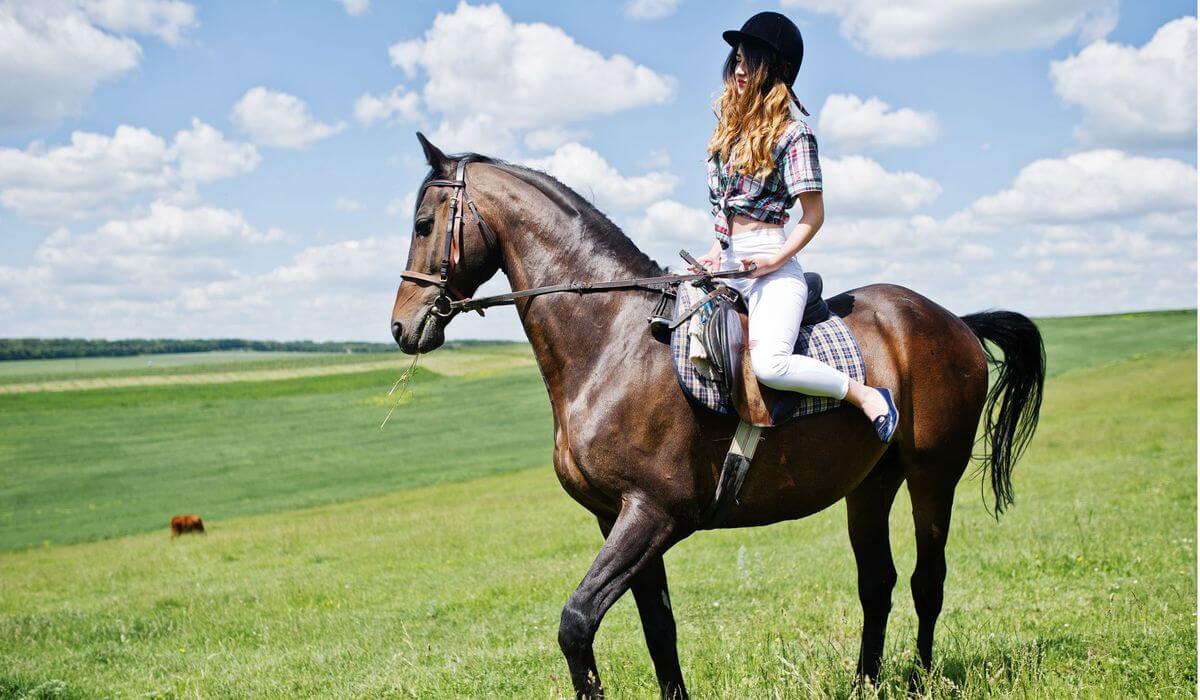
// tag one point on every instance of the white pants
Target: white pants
(776, 305)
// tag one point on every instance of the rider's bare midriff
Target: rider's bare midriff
(740, 223)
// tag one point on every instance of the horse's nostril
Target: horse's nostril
(397, 330)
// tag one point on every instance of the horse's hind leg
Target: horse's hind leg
(931, 487)
(640, 535)
(867, 509)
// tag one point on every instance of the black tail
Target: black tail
(1017, 391)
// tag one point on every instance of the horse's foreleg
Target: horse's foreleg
(658, 623)
(639, 536)
(867, 509)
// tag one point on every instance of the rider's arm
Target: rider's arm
(814, 215)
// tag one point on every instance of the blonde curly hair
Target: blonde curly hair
(755, 118)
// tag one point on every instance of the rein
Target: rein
(450, 301)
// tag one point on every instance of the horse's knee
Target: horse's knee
(575, 631)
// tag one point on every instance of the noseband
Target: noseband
(443, 305)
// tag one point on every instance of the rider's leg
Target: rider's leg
(775, 303)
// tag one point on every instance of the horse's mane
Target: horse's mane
(605, 232)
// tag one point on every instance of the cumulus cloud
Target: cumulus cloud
(168, 245)
(355, 8)
(1090, 186)
(905, 30)
(1134, 97)
(397, 104)
(859, 186)
(668, 225)
(53, 54)
(650, 9)
(277, 119)
(166, 19)
(204, 155)
(585, 171)
(98, 175)
(505, 84)
(852, 123)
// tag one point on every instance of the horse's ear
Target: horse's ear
(433, 155)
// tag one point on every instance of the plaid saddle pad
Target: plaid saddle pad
(829, 341)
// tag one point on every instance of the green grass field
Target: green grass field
(428, 560)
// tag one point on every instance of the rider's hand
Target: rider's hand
(710, 263)
(763, 264)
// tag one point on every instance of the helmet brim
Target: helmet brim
(733, 37)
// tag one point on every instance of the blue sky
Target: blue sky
(247, 169)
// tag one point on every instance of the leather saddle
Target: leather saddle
(756, 404)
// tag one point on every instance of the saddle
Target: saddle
(727, 339)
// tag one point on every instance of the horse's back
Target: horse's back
(926, 354)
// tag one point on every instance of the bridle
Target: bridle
(450, 301)
(444, 304)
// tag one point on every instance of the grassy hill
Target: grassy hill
(439, 561)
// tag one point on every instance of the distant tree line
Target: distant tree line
(38, 348)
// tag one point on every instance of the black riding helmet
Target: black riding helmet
(781, 35)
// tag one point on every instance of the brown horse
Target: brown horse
(637, 453)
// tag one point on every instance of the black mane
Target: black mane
(608, 234)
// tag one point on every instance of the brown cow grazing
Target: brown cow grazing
(186, 523)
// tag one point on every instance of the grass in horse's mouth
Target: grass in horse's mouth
(404, 379)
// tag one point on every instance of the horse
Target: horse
(645, 460)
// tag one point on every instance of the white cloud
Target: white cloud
(650, 9)
(280, 120)
(98, 175)
(851, 123)
(355, 8)
(506, 82)
(1091, 186)
(166, 19)
(1135, 97)
(204, 155)
(859, 186)
(903, 30)
(89, 177)
(666, 226)
(167, 245)
(49, 65)
(482, 133)
(348, 204)
(585, 171)
(397, 103)
(54, 54)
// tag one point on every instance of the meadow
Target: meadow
(429, 559)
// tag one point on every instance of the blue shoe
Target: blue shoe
(885, 425)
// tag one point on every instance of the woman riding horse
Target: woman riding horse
(762, 158)
(630, 447)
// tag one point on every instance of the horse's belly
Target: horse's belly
(805, 467)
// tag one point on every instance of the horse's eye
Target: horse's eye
(423, 227)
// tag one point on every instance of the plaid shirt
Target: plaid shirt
(796, 170)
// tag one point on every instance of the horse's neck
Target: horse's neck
(566, 329)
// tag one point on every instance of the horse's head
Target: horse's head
(452, 252)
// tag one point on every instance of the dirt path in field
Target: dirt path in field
(451, 364)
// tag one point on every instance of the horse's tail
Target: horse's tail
(1021, 372)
